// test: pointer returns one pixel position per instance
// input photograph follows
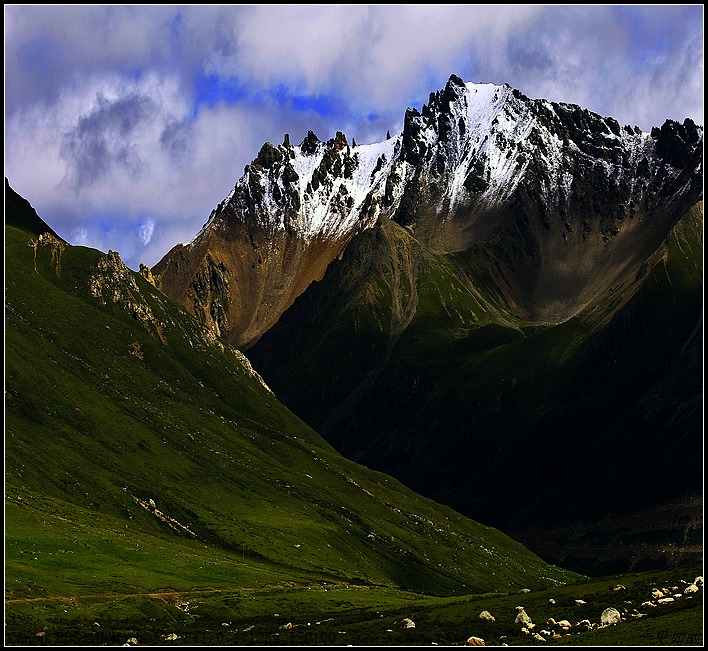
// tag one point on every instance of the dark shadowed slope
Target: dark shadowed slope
(414, 363)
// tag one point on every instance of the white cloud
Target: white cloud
(413, 45)
(80, 237)
(147, 228)
(296, 44)
(106, 135)
(126, 147)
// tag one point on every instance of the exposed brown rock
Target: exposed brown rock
(240, 282)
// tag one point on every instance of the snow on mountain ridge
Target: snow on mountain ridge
(319, 215)
(328, 209)
(476, 141)
(506, 122)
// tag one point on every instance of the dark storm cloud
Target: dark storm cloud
(175, 139)
(529, 57)
(105, 139)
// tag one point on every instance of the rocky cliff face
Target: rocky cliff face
(553, 192)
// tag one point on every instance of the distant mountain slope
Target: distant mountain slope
(142, 452)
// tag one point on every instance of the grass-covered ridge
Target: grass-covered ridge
(144, 455)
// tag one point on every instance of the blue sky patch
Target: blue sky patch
(211, 90)
(323, 105)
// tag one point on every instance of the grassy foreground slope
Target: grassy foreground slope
(143, 455)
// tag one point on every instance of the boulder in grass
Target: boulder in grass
(475, 641)
(522, 617)
(610, 616)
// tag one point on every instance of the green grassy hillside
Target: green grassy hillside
(143, 455)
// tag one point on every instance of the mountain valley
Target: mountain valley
(456, 371)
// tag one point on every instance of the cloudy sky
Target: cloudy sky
(126, 125)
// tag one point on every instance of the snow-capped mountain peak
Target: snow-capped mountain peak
(478, 140)
(478, 163)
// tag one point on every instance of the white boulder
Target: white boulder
(610, 616)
